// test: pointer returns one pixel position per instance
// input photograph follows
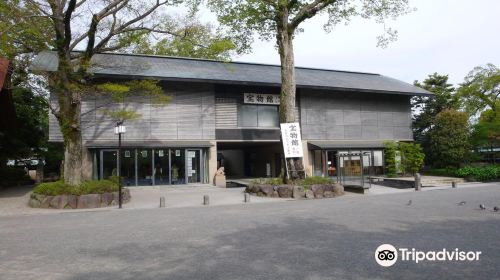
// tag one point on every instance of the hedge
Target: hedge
(87, 187)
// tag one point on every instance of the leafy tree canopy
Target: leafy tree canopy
(426, 108)
(196, 40)
(481, 89)
(245, 18)
(449, 139)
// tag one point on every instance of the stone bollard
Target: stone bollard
(247, 197)
(418, 182)
(162, 202)
(454, 184)
(206, 200)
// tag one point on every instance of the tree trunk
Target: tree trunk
(69, 101)
(288, 90)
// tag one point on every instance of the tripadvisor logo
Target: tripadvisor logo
(387, 255)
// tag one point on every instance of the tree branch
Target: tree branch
(121, 28)
(308, 11)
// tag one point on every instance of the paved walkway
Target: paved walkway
(189, 196)
(14, 201)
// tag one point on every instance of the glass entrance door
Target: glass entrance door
(162, 167)
(193, 166)
(109, 163)
(331, 161)
(178, 166)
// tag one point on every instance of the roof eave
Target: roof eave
(249, 83)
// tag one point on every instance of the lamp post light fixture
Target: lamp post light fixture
(119, 129)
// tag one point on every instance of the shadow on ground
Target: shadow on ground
(16, 191)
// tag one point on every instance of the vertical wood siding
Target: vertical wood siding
(355, 116)
(189, 116)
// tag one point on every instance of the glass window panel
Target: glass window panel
(377, 158)
(193, 166)
(366, 158)
(144, 167)
(247, 115)
(109, 164)
(318, 163)
(178, 166)
(127, 169)
(162, 171)
(268, 116)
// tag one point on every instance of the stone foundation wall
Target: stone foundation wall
(290, 191)
(77, 201)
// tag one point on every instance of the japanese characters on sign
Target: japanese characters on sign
(292, 142)
(261, 98)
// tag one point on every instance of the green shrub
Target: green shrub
(390, 150)
(267, 181)
(412, 157)
(98, 186)
(53, 188)
(12, 176)
(87, 187)
(480, 173)
(314, 180)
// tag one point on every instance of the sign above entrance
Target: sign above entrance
(292, 142)
(261, 98)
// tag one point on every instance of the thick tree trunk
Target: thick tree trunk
(69, 101)
(288, 89)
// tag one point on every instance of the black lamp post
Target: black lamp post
(119, 129)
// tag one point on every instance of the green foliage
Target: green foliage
(313, 180)
(245, 18)
(426, 108)
(23, 28)
(481, 89)
(486, 132)
(54, 188)
(98, 186)
(87, 187)
(412, 157)
(306, 182)
(149, 89)
(390, 149)
(196, 40)
(449, 139)
(12, 176)
(267, 181)
(480, 173)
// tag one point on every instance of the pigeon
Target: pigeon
(409, 202)
(496, 209)
(461, 203)
(482, 207)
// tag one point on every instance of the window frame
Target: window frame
(257, 106)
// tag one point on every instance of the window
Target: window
(258, 116)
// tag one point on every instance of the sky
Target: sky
(444, 36)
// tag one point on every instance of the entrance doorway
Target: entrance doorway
(193, 166)
(109, 163)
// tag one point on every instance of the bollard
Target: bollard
(162, 201)
(206, 200)
(247, 197)
(418, 182)
(454, 184)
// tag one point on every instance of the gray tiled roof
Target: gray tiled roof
(175, 68)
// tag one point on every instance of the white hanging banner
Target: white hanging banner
(261, 98)
(292, 142)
